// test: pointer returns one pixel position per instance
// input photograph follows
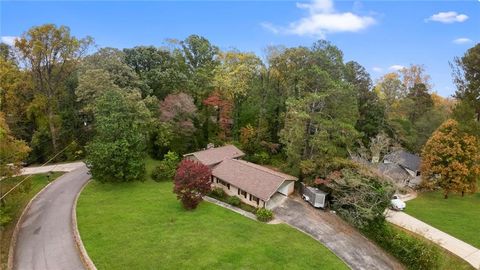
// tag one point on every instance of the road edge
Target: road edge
(13, 241)
(87, 262)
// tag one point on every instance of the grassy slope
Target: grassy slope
(143, 226)
(15, 202)
(457, 216)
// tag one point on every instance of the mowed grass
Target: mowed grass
(142, 226)
(458, 216)
(15, 202)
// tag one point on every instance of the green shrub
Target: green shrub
(217, 193)
(166, 168)
(264, 214)
(234, 200)
(158, 173)
(414, 253)
(5, 216)
(261, 157)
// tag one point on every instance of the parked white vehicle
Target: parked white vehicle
(397, 204)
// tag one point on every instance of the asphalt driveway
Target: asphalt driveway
(45, 239)
(343, 240)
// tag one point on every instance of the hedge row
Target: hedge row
(413, 252)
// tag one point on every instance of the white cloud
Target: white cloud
(461, 41)
(448, 17)
(377, 69)
(322, 19)
(318, 6)
(9, 40)
(270, 27)
(396, 67)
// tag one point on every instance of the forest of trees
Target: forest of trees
(305, 105)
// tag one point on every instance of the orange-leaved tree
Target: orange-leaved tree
(451, 160)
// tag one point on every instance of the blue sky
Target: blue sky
(380, 35)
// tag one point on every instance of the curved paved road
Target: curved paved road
(347, 243)
(45, 239)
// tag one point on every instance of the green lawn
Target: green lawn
(458, 216)
(142, 226)
(14, 203)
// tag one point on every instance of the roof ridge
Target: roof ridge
(213, 148)
(262, 168)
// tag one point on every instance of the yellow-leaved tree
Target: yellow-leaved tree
(12, 151)
(451, 160)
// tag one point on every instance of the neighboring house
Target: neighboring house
(253, 184)
(396, 173)
(402, 166)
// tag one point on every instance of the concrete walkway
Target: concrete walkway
(63, 167)
(347, 243)
(45, 236)
(230, 207)
(450, 243)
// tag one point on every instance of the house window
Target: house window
(257, 200)
(418, 173)
(238, 191)
(244, 193)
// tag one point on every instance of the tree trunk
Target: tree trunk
(53, 132)
(463, 193)
(445, 195)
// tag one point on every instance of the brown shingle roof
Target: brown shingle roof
(252, 178)
(215, 155)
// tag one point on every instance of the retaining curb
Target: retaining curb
(13, 241)
(230, 207)
(87, 262)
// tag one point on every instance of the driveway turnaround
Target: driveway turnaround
(347, 243)
(45, 238)
(463, 250)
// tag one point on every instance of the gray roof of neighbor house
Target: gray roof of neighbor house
(257, 180)
(404, 159)
(215, 155)
(394, 171)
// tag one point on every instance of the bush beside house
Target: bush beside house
(264, 215)
(219, 194)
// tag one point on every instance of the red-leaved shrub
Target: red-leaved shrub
(192, 181)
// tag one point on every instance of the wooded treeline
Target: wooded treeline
(305, 105)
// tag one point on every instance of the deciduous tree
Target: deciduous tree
(451, 160)
(467, 78)
(192, 182)
(52, 54)
(359, 195)
(117, 151)
(12, 151)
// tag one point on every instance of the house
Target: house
(402, 166)
(408, 161)
(394, 172)
(255, 185)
